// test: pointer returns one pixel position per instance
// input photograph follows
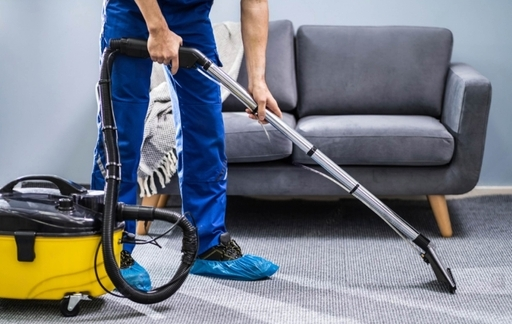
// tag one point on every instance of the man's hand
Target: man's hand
(254, 21)
(164, 46)
(263, 99)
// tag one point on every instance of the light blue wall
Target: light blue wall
(48, 70)
(49, 65)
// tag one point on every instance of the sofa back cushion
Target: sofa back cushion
(396, 70)
(280, 68)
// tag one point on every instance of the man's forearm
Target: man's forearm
(152, 15)
(163, 44)
(254, 20)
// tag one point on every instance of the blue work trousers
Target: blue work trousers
(202, 163)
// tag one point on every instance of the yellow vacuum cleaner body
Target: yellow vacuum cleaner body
(50, 243)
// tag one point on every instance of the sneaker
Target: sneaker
(133, 273)
(227, 250)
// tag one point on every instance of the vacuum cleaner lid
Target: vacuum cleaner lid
(47, 212)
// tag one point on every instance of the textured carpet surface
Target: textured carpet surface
(339, 263)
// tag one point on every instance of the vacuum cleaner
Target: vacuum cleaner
(61, 241)
(193, 59)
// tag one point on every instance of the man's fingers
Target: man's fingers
(274, 107)
(175, 64)
(251, 114)
(157, 59)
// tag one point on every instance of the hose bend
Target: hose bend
(114, 213)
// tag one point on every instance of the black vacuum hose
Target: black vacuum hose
(114, 212)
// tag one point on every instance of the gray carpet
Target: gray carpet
(339, 263)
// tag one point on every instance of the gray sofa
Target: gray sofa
(384, 103)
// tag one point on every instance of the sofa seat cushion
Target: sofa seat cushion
(377, 140)
(247, 141)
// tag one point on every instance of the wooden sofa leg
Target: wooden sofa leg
(440, 210)
(158, 201)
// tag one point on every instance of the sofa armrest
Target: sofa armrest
(466, 93)
(466, 106)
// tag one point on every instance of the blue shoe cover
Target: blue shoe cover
(248, 267)
(137, 277)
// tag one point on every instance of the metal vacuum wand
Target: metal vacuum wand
(347, 182)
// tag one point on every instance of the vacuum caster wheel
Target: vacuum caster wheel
(65, 308)
(69, 306)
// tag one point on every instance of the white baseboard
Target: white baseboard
(484, 191)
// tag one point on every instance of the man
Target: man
(202, 163)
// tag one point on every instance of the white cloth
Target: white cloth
(228, 36)
(158, 151)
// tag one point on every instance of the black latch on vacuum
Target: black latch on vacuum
(25, 242)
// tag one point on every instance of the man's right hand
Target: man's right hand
(163, 47)
(163, 44)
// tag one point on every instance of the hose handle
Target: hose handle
(188, 57)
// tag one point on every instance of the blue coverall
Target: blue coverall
(202, 163)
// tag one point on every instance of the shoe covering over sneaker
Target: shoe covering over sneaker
(226, 261)
(133, 273)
